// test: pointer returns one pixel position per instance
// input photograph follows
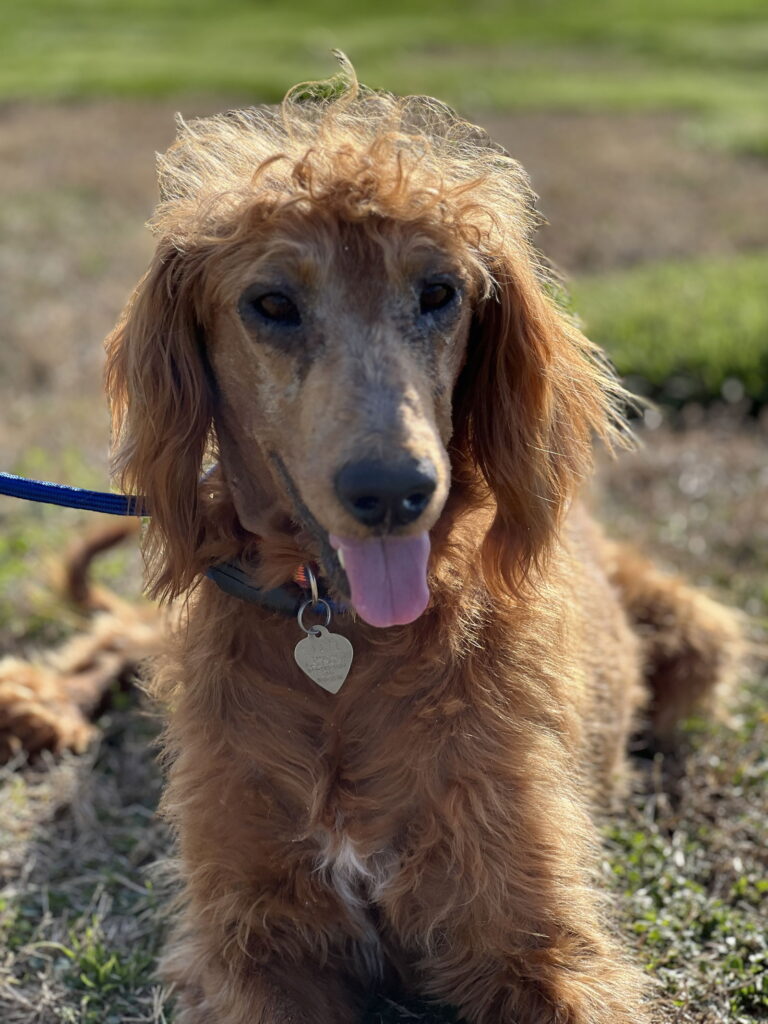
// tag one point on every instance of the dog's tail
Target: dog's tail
(693, 646)
(75, 580)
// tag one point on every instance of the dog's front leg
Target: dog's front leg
(241, 992)
(262, 938)
(495, 905)
(280, 952)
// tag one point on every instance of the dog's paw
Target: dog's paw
(35, 713)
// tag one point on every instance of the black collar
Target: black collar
(233, 579)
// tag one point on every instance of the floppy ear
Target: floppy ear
(161, 413)
(533, 392)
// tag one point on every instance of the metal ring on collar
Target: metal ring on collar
(310, 604)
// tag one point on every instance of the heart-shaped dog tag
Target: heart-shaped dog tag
(325, 657)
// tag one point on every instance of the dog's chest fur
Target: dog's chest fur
(359, 882)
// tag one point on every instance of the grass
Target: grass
(78, 906)
(692, 874)
(698, 929)
(685, 331)
(706, 58)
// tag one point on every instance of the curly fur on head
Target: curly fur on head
(432, 820)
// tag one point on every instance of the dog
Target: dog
(47, 704)
(345, 388)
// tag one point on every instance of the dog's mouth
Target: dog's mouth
(387, 577)
(383, 577)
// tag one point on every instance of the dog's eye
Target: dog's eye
(435, 296)
(273, 306)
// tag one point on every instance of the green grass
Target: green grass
(689, 331)
(693, 876)
(79, 906)
(706, 57)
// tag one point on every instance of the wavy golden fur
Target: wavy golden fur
(433, 821)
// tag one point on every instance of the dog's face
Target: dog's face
(335, 349)
(344, 292)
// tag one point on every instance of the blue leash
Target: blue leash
(71, 497)
(229, 576)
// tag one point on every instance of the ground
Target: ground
(82, 893)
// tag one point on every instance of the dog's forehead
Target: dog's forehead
(320, 259)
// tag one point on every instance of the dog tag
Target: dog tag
(325, 657)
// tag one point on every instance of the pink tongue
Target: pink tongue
(387, 577)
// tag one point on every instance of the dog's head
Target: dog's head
(345, 304)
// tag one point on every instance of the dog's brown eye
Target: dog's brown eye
(273, 306)
(435, 296)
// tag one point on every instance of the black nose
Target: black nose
(394, 494)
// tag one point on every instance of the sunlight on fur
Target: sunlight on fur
(347, 281)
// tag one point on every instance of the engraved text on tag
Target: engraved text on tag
(325, 657)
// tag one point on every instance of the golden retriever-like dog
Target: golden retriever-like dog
(346, 331)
